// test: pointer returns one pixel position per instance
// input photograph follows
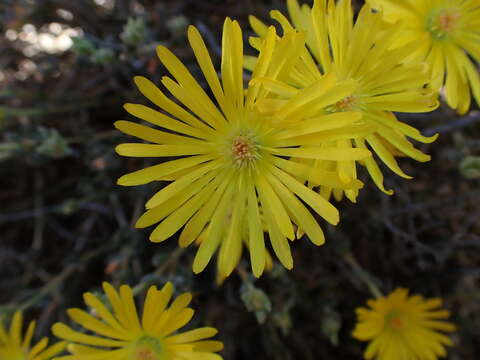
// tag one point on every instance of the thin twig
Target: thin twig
(53, 284)
(362, 275)
(459, 123)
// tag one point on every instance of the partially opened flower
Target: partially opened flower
(400, 327)
(384, 81)
(15, 346)
(122, 335)
(233, 176)
(449, 35)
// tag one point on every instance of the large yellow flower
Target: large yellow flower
(384, 80)
(402, 327)
(13, 347)
(234, 174)
(121, 335)
(448, 34)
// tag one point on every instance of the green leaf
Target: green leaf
(470, 167)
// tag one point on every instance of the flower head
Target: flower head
(121, 334)
(14, 346)
(238, 171)
(447, 34)
(403, 327)
(382, 81)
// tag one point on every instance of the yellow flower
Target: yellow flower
(383, 81)
(234, 175)
(403, 327)
(448, 36)
(122, 335)
(13, 347)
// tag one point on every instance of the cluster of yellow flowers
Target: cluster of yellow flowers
(321, 99)
(263, 158)
(399, 327)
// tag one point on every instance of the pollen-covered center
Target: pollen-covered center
(345, 104)
(444, 23)
(395, 320)
(396, 323)
(244, 149)
(148, 348)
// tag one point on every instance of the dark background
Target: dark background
(65, 226)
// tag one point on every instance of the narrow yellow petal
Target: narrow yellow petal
(208, 346)
(116, 302)
(162, 120)
(172, 189)
(280, 244)
(200, 106)
(322, 123)
(89, 322)
(159, 302)
(50, 352)
(156, 96)
(15, 333)
(192, 335)
(279, 214)
(302, 216)
(210, 244)
(205, 62)
(157, 172)
(39, 347)
(318, 153)
(130, 308)
(152, 135)
(373, 169)
(314, 200)
(28, 335)
(256, 242)
(102, 311)
(186, 80)
(180, 216)
(231, 247)
(149, 150)
(258, 26)
(176, 322)
(197, 223)
(64, 332)
(386, 156)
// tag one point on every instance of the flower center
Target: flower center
(145, 354)
(396, 323)
(346, 104)
(394, 320)
(244, 150)
(443, 24)
(148, 348)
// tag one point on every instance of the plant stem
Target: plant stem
(363, 275)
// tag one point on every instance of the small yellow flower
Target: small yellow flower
(383, 81)
(122, 335)
(401, 327)
(235, 173)
(13, 347)
(447, 36)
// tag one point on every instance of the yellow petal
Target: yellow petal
(65, 332)
(314, 200)
(318, 153)
(180, 184)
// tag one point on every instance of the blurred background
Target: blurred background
(66, 68)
